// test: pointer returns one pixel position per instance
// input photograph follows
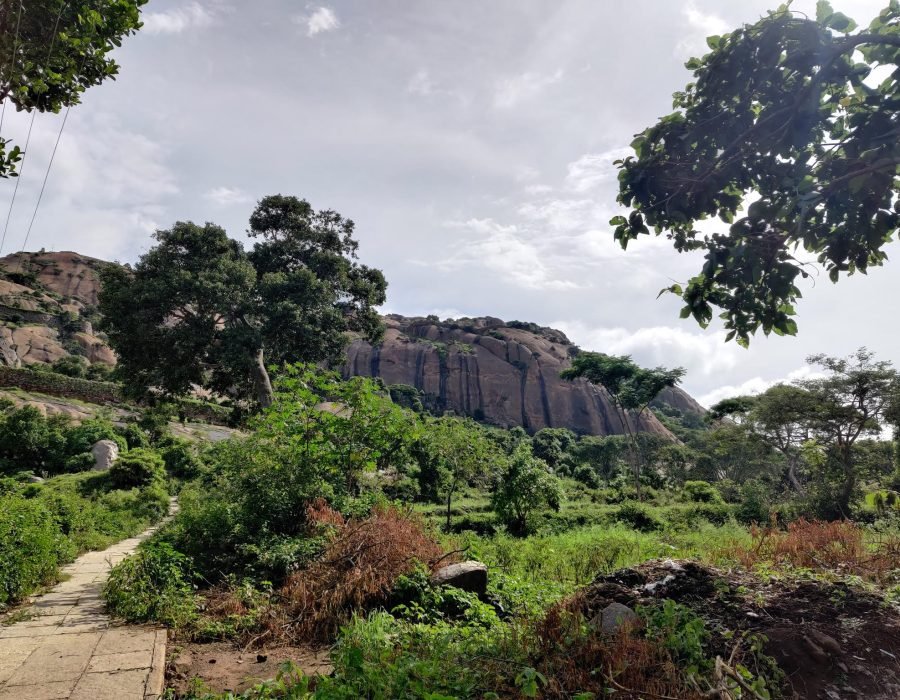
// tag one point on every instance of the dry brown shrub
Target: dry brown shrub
(356, 572)
(625, 662)
(815, 544)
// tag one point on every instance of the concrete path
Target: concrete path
(70, 649)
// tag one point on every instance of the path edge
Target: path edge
(156, 680)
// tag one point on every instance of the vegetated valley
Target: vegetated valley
(463, 509)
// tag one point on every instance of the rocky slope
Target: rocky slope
(504, 373)
(47, 303)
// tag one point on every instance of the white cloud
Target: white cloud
(226, 196)
(700, 353)
(177, 20)
(323, 19)
(538, 189)
(700, 25)
(504, 250)
(593, 169)
(512, 91)
(421, 84)
(527, 173)
(756, 385)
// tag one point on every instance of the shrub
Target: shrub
(134, 436)
(701, 492)
(357, 570)
(81, 438)
(754, 503)
(637, 516)
(83, 462)
(587, 475)
(523, 488)
(154, 584)
(139, 467)
(180, 458)
(31, 547)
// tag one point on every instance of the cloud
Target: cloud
(593, 169)
(512, 91)
(421, 84)
(757, 385)
(504, 250)
(226, 196)
(322, 20)
(700, 25)
(700, 353)
(177, 20)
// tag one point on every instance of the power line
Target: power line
(28, 137)
(46, 176)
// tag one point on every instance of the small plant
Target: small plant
(153, 584)
(637, 516)
(701, 492)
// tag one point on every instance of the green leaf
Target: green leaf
(824, 10)
(840, 23)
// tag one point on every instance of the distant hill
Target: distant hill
(503, 373)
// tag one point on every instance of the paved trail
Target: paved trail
(71, 650)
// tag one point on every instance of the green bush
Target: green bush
(180, 458)
(754, 504)
(701, 492)
(134, 436)
(638, 516)
(83, 462)
(31, 547)
(140, 467)
(587, 475)
(154, 584)
(82, 438)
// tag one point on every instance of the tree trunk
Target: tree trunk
(792, 476)
(262, 385)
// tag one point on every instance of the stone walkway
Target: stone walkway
(69, 648)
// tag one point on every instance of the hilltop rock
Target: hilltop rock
(506, 374)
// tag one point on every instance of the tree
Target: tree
(524, 486)
(778, 117)
(51, 51)
(603, 454)
(630, 388)
(780, 415)
(197, 310)
(461, 451)
(850, 402)
(735, 409)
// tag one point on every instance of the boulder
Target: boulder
(105, 452)
(613, 616)
(468, 576)
(35, 479)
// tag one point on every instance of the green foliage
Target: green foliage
(414, 599)
(637, 516)
(83, 436)
(754, 504)
(181, 458)
(71, 366)
(779, 137)
(136, 468)
(292, 298)
(681, 631)
(134, 436)
(31, 547)
(522, 488)
(53, 51)
(154, 584)
(701, 492)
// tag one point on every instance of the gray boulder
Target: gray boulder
(471, 576)
(105, 452)
(35, 479)
(613, 616)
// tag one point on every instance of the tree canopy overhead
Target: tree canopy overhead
(199, 310)
(51, 51)
(788, 136)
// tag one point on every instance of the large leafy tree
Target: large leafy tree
(197, 310)
(787, 137)
(51, 51)
(630, 387)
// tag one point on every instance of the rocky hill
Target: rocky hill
(506, 374)
(48, 309)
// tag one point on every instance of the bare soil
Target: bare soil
(223, 667)
(834, 641)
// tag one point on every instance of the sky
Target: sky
(471, 142)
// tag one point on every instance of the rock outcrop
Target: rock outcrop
(47, 301)
(471, 576)
(506, 374)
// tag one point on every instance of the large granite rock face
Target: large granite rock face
(504, 374)
(43, 301)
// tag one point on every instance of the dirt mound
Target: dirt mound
(833, 640)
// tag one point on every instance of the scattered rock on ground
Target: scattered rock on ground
(612, 617)
(471, 576)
